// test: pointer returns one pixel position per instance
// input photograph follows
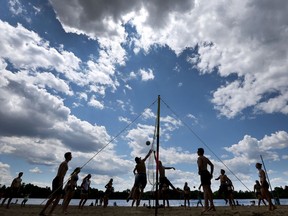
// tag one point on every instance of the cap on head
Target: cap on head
(137, 159)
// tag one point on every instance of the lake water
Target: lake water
(217, 202)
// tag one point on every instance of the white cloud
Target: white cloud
(231, 36)
(98, 76)
(251, 148)
(133, 75)
(124, 119)
(146, 75)
(95, 103)
(15, 7)
(194, 118)
(82, 96)
(30, 46)
(148, 114)
(242, 38)
(6, 177)
(128, 87)
(276, 140)
(35, 170)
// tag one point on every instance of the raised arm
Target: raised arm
(170, 168)
(147, 155)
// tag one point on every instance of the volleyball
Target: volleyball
(147, 143)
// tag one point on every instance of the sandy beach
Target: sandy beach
(16, 210)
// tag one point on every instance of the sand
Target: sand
(16, 210)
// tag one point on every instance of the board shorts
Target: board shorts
(223, 189)
(140, 180)
(164, 181)
(205, 177)
(57, 186)
(265, 185)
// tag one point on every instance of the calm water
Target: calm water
(217, 202)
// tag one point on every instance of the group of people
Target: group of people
(58, 191)
(140, 181)
(70, 187)
(226, 187)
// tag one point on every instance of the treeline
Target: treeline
(39, 192)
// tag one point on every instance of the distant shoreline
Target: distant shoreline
(124, 203)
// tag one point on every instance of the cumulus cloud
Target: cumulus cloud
(251, 148)
(244, 38)
(95, 103)
(30, 46)
(4, 172)
(240, 40)
(50, 63)
(35, 170)
(146, 74)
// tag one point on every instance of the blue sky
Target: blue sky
(84, 76)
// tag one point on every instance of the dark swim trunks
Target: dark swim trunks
(141, 180)
(205, 177)
(57, 186)
(265, 185)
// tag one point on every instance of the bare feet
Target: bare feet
(211, 208)
(272, 208)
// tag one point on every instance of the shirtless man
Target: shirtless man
(205, 177)
(140, 176)
(164, 182)
(14, 189)
(223, 185)
(57, 185)
(264, 186)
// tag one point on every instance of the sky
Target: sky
(85, 76)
